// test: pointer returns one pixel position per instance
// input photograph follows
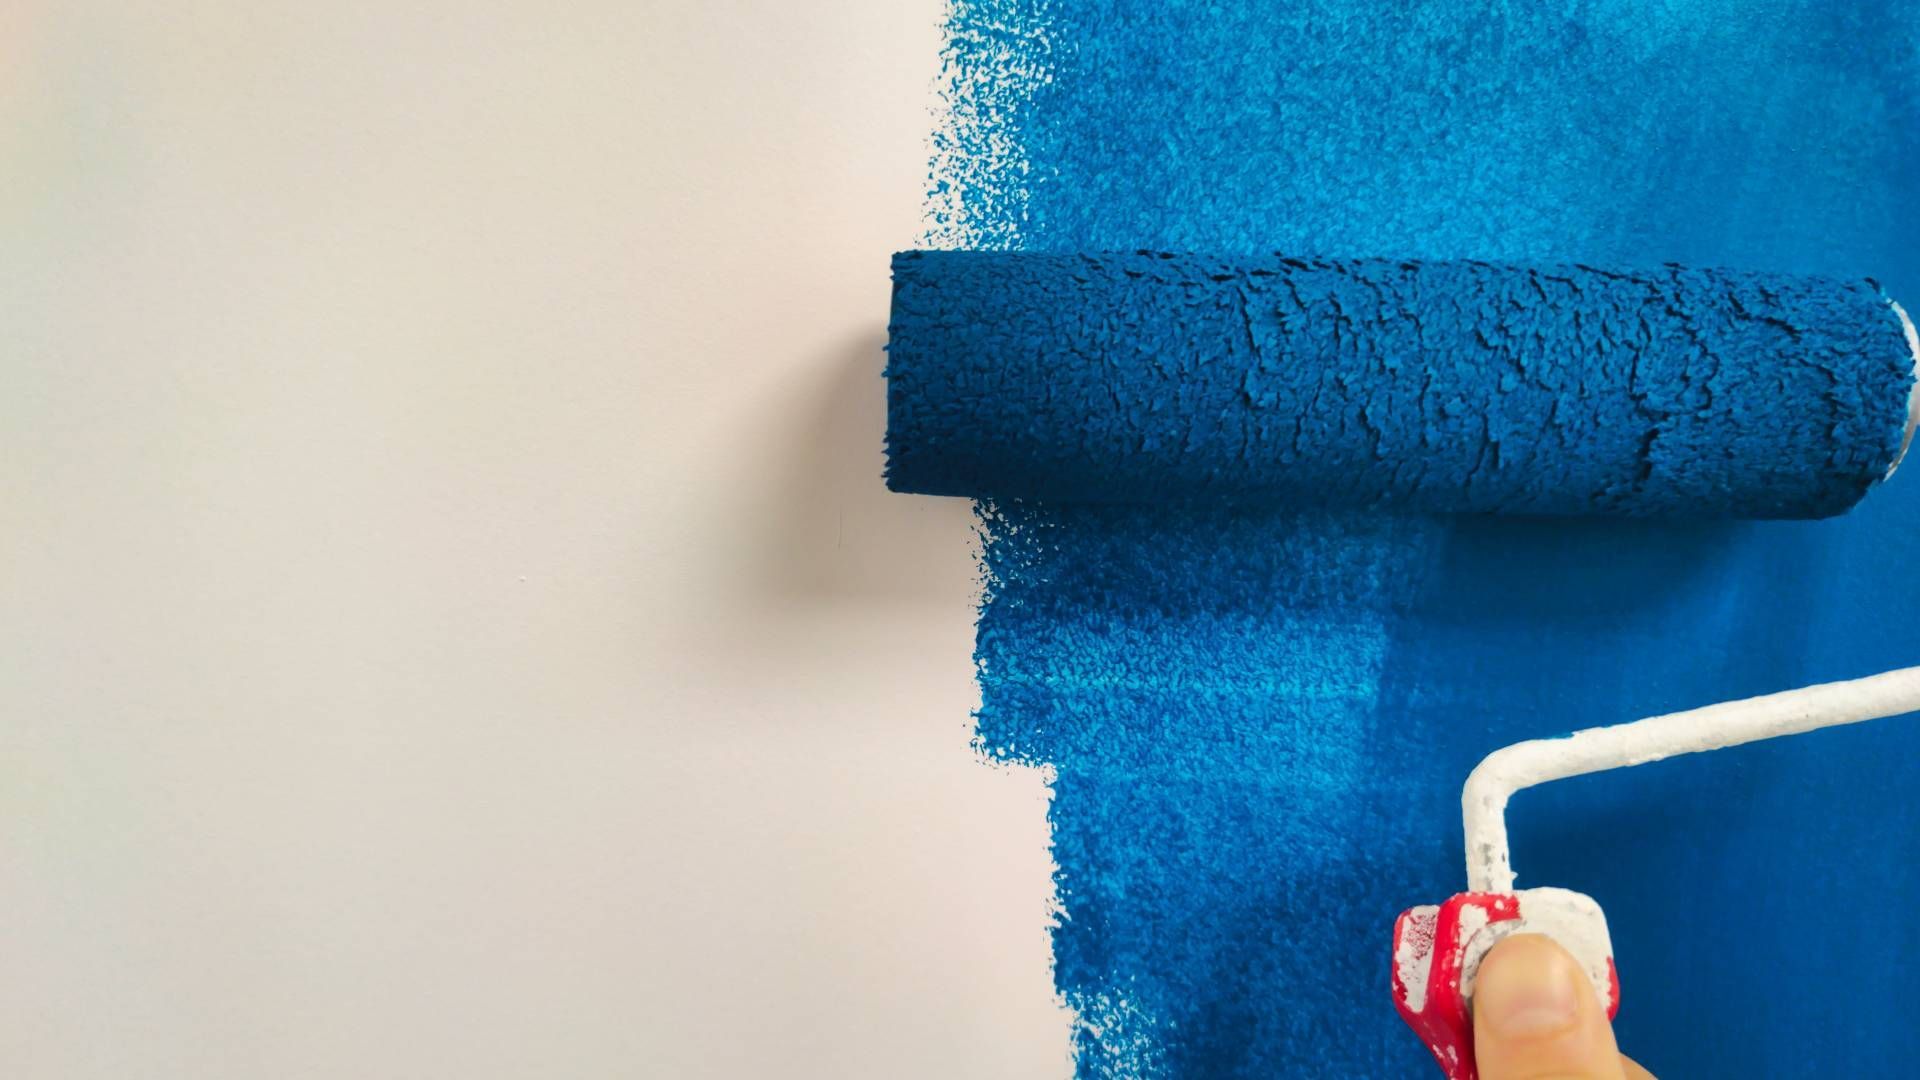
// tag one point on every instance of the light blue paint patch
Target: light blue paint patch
(1260, 722)
(1203, 681)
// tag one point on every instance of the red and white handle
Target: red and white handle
(1437, 949)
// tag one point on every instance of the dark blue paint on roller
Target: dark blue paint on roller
(1259, 720)
(1438, 386)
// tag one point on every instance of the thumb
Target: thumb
(1535, 1016)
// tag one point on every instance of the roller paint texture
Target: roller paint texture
(1437, 386)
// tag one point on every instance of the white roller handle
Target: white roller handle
(1523, 765)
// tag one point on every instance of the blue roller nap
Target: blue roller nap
(1436, 386)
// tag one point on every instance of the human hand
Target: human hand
(1536, 1017)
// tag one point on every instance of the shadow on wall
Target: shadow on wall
(1523, 569)
(1643, 607)
(826, 528)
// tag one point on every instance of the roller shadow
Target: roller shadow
(1533, 568)
(827, 530)
(1605, 619)
(1657, 592)
(1523, 628)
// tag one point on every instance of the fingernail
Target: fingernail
(1529, 996)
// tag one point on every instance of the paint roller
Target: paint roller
(1450, 386)
(1433, 386)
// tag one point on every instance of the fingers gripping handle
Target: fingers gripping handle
(1437, 950)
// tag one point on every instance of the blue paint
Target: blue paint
(1439, 386)
(1260, 720)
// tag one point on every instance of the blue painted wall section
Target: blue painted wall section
(1260, 721)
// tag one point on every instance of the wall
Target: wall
(451, 623)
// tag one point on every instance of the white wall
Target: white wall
(450, 621)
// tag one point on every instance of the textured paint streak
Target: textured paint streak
(1259, 722)
(1213, 749)
(1438, 386)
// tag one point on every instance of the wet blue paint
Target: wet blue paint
(1259, 722)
